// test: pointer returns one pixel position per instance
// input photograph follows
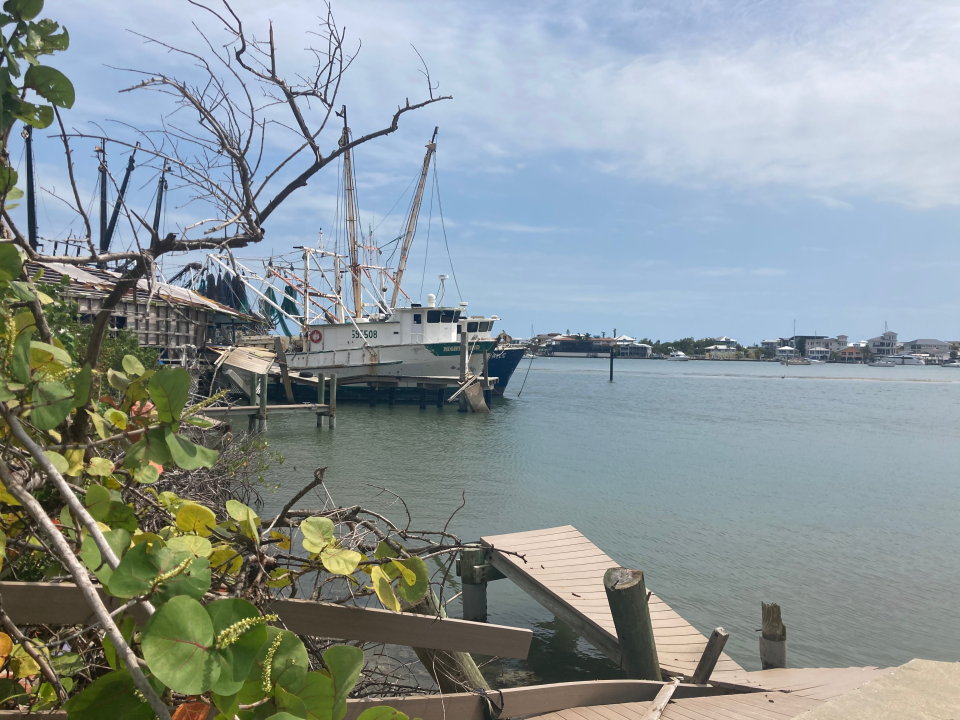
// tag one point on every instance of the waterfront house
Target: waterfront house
(852, 354)
(785, 353)
(726, 341)
(721, 352)
(885, 344)
(636, 350)
(938, 350)
(770, 345)
(819, 353)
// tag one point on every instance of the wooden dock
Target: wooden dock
(564, 573)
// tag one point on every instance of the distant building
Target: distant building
(566, 346)
(721, 352)
(786, 352)
(885, 344)
(636, 350)
(938, 350)
(819, 353)
(726, 341)
(852, 354)
(771, 344)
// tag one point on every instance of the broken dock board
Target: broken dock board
(564, 573)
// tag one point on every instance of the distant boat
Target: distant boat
(797, 361)
(899, 359)
(677, 355)
(952, 364)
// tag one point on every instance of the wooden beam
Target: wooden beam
(352, 623)
(63, 604)
(711, 654)
(284, 375)
(666, 692)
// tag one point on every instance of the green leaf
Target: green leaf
(43, 355)
(50, 84)
(53, 403)
(312, 698)
(100, 428)
(132, 366)
(384, 551)
(116, 418)
(283, 716)
(118, 540)
(24, 9)
(118, 381)
(169, 389)
(198, 422)
(21, 354)
(383, 588)
(340, 561)
(290, 662)
(317, 533)
(186, 454)
(192, 544)
(176, 645)
(196, 519)
(121, 515)
(147, 474)
(140, 568)
(67, 664)
(157, 449)
(112, 696)
(98, 501)
(11, 264)
(413, 593)
(135, 574)
(81, 386)
(194, 582)
(10, 689)
(237, 659)
(382, 713)
(100, 467)
(344, 663)
(58, 461)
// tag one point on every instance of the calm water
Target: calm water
(832, 491)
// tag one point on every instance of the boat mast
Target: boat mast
(412, 220)
(161, 186)
(27, 135)
(351, 218)
(112, 225)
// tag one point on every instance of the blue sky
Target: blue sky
(667, 168)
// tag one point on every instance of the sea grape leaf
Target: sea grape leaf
(197, 519)
(169, 389)
(236, 660)
(414, 592)
(117, 540)
(382, 713)
(177, 646)
(193, 544)
(20, 365)
(340, 561)
(290, 662)
(193, 582)
(409, 576)
(312, 699)
(50, 84)
(53, 403)
(132, 366)
(317, 533)
(57, 460)
(98, 501)
(384, 551)
(114, 696)
(383, 588)
(135, 574)
(186, 454)
(24, 9)
(11, 264)
(81, 386)
(344, 663)
(118, 381)
(100, 467)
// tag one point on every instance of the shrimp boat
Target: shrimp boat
(337, 300)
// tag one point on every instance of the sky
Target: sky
(663, 169)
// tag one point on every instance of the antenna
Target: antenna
(443, 278)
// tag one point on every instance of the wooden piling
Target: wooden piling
(711, 654)
(464, 405)
(611, 363)
(440, 393)
(332, 403)
(487, 390)
(252, 417)
(284, 374)
(391, 396)
(474, 588)
(262, 415)
(423, 395)
(773, 638)
(627, 597)
(373, 394)
(452, 671)
(321, 387)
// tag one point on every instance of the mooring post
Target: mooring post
(391, 395)
(440, 393)
(711, 654)
(611, 363)
(474, 587)
(252, 417)
(773, 638)
(627, 597)
(373, 394)
(321, 387)
(464, 405)
(332, 421)
(487, 390)
(284, 372)
(263, 403)
(423, 395)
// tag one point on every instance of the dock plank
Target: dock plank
(564, 571)
(750, 706)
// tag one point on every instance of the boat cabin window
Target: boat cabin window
(449, 316)
(485, 326)
(472, 327)
(417, 319)
(433, 316)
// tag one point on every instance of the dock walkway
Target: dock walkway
(564, 573)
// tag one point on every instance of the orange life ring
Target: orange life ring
(316, 336)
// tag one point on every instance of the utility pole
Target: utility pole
(27, 135)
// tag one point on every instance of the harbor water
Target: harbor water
(830, 489)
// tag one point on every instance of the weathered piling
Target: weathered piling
(611, 363)
(391, 396)
(452, 671)
(711, 654)
(773, 638)
(332, 403)
(373, 394)
(284, 374)
(464, 404)
(423, 395)
(321, 387)
(487, 390)
(627, 597)
(474, 584)
(262, 415)
(252, 396)
(440, 393)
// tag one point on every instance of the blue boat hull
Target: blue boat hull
(501, 364)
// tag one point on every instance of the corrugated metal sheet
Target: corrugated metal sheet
(253, 360)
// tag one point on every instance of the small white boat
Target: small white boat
(952, 364)
(677, 355)
(899, 359)
(797, 361)
(882, 362)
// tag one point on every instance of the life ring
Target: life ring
(316, 336)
